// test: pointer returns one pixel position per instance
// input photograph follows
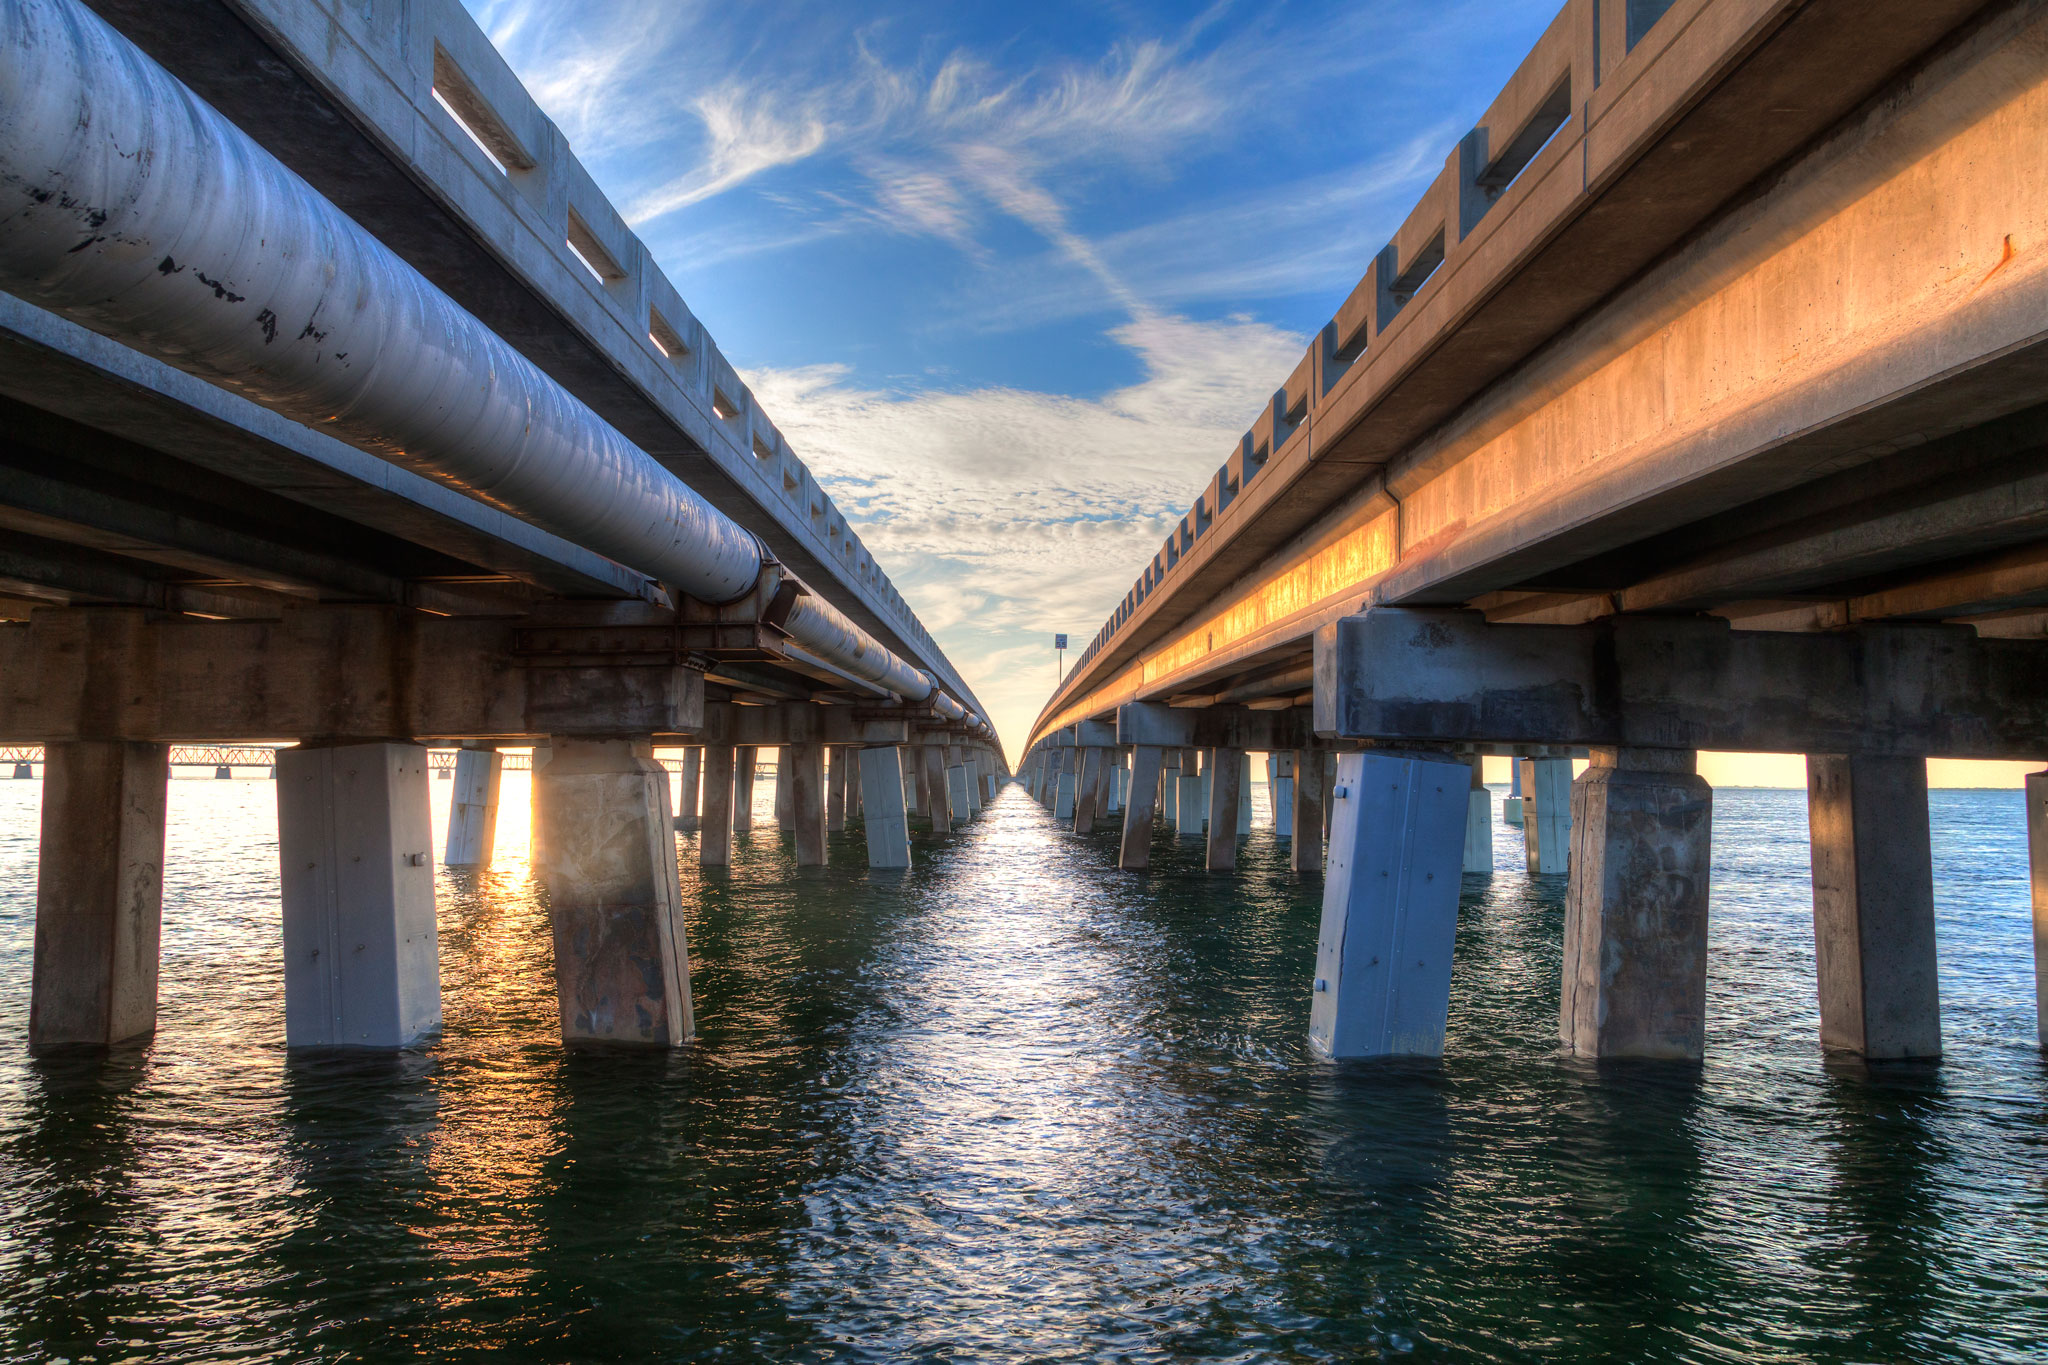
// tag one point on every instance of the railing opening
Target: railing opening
(599, 262)
(665, 338)
(1641, 15)
(474, 116)
(1535, 135)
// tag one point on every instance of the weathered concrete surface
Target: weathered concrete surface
(960, 788)
(1547, 814)
(1086, 785)
(536, 834)
(932, 770)
(1635, 932)
(804, 766)
(1916, 688)
(1226, 793)
(1873, 906)
(99, 894)
(714, 839)
(473, 808)
(839, 760)
(1390, 906)
(622, 967)
(785, 789)
(884, 818)
(1305, 852)
(356, 877)
(1135, 852)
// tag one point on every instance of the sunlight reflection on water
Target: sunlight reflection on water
(1017, 1104)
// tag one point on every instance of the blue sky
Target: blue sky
(1012, 279)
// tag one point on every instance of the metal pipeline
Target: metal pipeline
(131, 207)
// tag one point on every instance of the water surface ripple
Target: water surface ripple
(1018, 1105)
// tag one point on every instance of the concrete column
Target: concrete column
(362, 964)
(853, 801)
(744, 758)
(970, 773)
(1546, 814)
(99, 893)
(881, 799)
(1226, 768)
(1635, 927)
(835, 789)
(1479, 822)
(1190, 808)
(1280, 788)
(2037, 861)
(1063, 784)
(473, 809)
(933, 769)
(1136, 850)
(1390, 906)
(803, 767)
(1244, 794)
(1088, 779)
(1306, 853)
(714, 840)
(907, 769)
(1169, 788)
(960, 789)
(622, 960)
(689, 798)
(1113, 782)
(1873, 906)
(921, 778)
(536, 844)
(785, 789)
(1511, 807)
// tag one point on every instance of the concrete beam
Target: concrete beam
(331, 672)
(1681, 683)
(1212, 727)
(797, 723)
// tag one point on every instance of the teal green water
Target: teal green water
(1020, 1106)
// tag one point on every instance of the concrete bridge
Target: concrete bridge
(1700, 403)
(339, 406)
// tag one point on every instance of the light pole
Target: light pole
(1059, 642)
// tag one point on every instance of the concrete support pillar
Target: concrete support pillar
(1190, 808)
(883, 815)
(1547, 814)
(1113, 782)
(714, 839)
(970, 773)
(933, 769)
(744, 759)
(622, 961)
(785, 789)
(689, 795)
(1088, 779)
(362, 964)
(1479, 822)
(99, 893)
(1064, 779)
(1169, 788)
(1244, 794)
(960, 790)
(1390, 906)
(1635, 928)
(835, 788)
(1306, 853)
(2037, 860)
(1280, 789)
(803, 768)
(1873, 906)
(536, 845)
(853, 791)
(908, 770)
(1511, 808)
(1226, 767)
(1136, 851)
(921, 779)
(473, 809)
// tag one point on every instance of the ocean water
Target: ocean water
(1020, 1106)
